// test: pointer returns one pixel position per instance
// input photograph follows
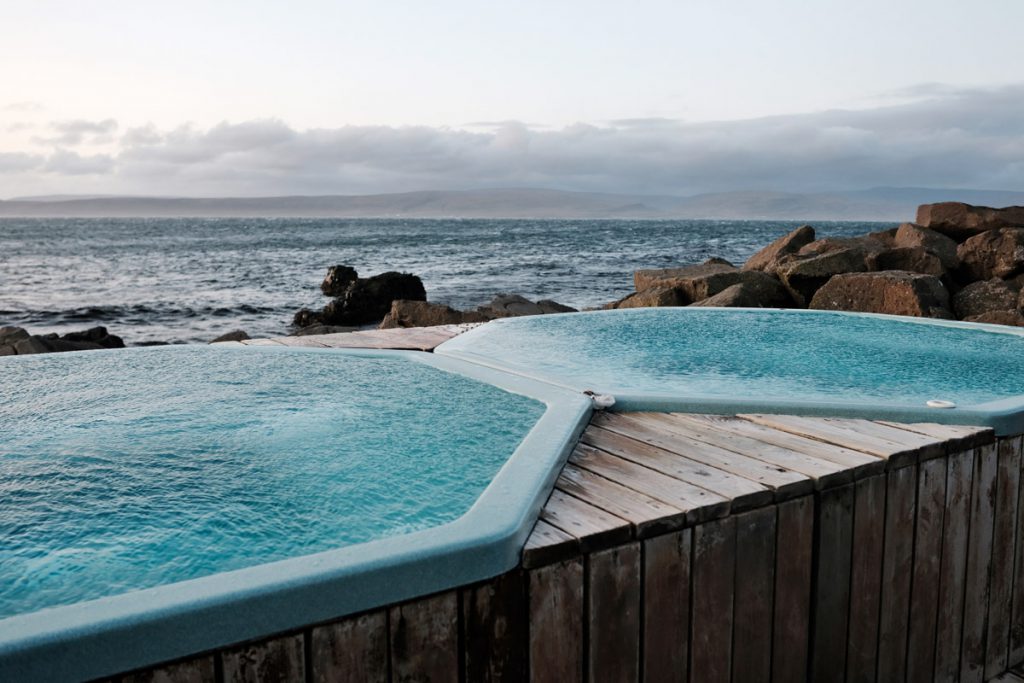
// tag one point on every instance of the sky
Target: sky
(316, 97)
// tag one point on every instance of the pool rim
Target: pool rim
(1004, 415)
(140, 628)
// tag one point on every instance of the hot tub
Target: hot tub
(159, 502)
(768, 360)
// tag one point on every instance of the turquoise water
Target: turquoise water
(125, 470)
(756, 355)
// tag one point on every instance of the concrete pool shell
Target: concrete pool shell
(155, 625)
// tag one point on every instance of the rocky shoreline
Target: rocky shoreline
(956, 261)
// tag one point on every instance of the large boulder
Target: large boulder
(995, 253)
(986, 296)
(893, 292)
(803, 275)
(424, 314)
(232, 336)
(514, 305)
(960, 221)
(1011, 317)
(696, 283)
(913, 259)
(911, 235)
(865, 244)
(652, 297)
(768, 258)
(338, 280)
(766, 292)
(95, 335)
(10, 335)
(16, 341)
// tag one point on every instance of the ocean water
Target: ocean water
(190, 280)
(160, 465)
(762, 355)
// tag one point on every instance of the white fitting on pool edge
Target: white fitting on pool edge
(939, 403)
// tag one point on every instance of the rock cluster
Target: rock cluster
(16, 341)
(423, 314)
(360, 301)
(957, 261)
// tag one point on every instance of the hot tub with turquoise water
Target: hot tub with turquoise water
(160, 502)
(799, 362)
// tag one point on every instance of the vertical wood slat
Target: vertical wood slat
(953, 566)
(931, 502)
(897, 568)
(714, 564)
(866, 579)
(666, 620)
(979, 564)
(755, 582)
(793, 566)
(353, 649)
(196, 670)
(280, 659)
(1016, 654)
(1003, 543)
(556, 622)
(425, 640)
(494, 617)
(613, 615)
(833, 541)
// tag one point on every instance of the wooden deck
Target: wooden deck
(683, 547)
(399, 338)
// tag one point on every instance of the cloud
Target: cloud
(76, 132)
(943, 138)
(18, 163)
(22, 107)
(65, 162)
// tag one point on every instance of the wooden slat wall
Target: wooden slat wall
(911, 568)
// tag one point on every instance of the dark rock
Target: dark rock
(652, 297)
(425, 314)
(910, 235)
(10, 335)
(96, 335)
(514, 305)
(547, 306)
(960, 221)
(696, 283)
(986, 296)
(1011, 317)
(995, 253)
(307, 318)
(366, 300)
(913, 259)
(892, 292)
(864, 244)
(17, 341)
(766, 292)
(322, 329)
(768, 259)
(802, 276)
(232, 336)
(338, 280)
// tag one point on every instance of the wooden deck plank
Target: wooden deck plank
(953, 566)
(714, 567)
(278, 659)
(495, 628)
(979, 564)
(353, 649)
(784, 482)
(556, 623)
(613, 614)
(699, 504)
(828, 473)
(592, 527)
(897, 573)
(924, 590)
(724, 483)
(666, 615)
(195, 670)
(958, 437)
(424, 639)
(834, 542)
(866, 579)
(1016, 653)
(862, 464)
(648, 516)
(997, 642)
(858, 435)
(547, 544)
(793, 569)
(755, 583)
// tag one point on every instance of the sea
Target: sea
(190, 280)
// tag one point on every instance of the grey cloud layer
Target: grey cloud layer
(950, 138)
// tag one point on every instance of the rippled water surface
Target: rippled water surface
(757, 355)
(193, 279)
(127, 469)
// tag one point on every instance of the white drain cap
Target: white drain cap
(939, 403)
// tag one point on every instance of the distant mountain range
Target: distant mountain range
(876, 204)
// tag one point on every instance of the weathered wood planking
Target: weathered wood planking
(755, 593)
(834, 543)
(997, 642)
(196, 670)
(425, 639)
(613, 614)
(927, 556)
(897, 572)
(495, 629)
(412, 338)
(866, 579)
(556, 623)
(666, 618)
(279, 659)
(794, 561)
(979, 564)
(711, 626)
(353, 649)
